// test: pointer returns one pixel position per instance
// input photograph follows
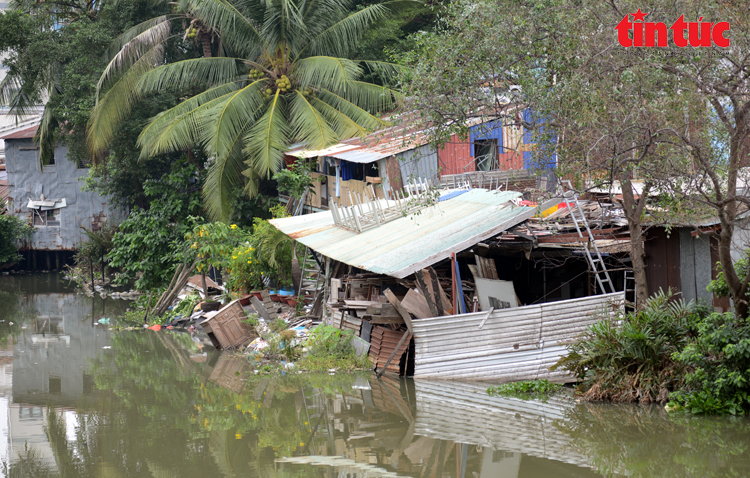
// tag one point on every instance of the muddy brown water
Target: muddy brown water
(77, 400)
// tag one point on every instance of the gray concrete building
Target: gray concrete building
(52, 199)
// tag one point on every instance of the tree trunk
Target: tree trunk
(206, 43)
(203, 284)
(633, 212)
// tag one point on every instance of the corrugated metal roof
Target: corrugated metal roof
(26, 133)
(407, 244)
(519, 343)
(368, 149)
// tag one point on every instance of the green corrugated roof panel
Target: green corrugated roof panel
(407, 244)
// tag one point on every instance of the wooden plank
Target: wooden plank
(362, 304)
(431, 277)
(380, 320)
(416, 304)
(397, 304)
(426, 294)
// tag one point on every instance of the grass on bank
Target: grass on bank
(528, 389)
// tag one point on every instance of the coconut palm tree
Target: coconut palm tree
(273, 73)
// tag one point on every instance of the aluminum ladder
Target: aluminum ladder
(596, 262)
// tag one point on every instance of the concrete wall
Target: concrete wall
(63, 180)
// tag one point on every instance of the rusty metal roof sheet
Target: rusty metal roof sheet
(407, 244)
(26, 133)
(367, 149)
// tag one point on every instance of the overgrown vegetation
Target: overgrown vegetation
(718, 364)
(12, 231)
(631, 357)
(527, 389)
(331, 348)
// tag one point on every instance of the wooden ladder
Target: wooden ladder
(311, 281)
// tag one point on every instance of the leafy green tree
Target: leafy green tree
(12, 230)
(277, 73)
(55, 54)
(151, 242)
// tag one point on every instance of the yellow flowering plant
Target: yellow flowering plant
(266, 254)
(214, 243)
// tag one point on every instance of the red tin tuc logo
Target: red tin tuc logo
(651, 34)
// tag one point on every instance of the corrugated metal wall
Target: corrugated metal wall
(63, 180)
(520, 343)
(419, 163)
(455, 157)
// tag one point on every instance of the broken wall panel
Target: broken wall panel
(508, 345)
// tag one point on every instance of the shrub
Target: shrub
(630, 357)
(718, 365)
(12, 230)
(330, 341)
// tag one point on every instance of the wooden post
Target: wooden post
(91, 269)
(102, 251)
(145, 316)
(203, 284)
(453, 276)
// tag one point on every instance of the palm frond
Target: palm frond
(237, 29)
(117, 102)
(340, 38)
(371, 97)
(283, 24)
(189, 73)
(20, 98)
(326, 72)
(362, 116)
(390, 72)
(309, 126)
(132, 44)
(180, 128)
(225, 126)
(268, 139)
(344, 126)
(227, 120)
(45, 134)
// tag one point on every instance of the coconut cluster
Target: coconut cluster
(255, 74)
(191, 33)
(284, 84)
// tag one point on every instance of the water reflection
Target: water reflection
(78, 401)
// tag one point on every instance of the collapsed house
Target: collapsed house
(464, 283)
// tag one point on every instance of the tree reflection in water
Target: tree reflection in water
(161, 408)
(646, 441)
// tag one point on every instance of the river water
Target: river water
(77, 400)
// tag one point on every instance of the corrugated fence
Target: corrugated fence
(520, 343)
